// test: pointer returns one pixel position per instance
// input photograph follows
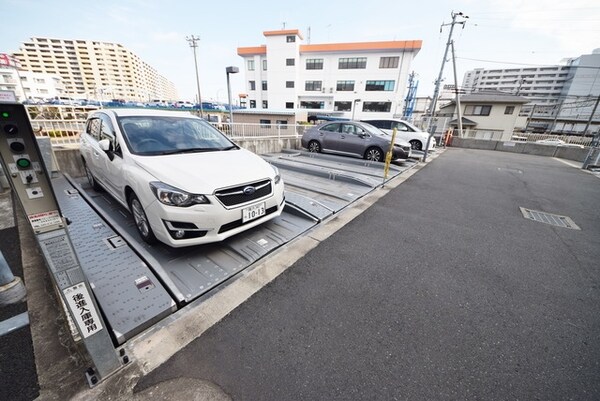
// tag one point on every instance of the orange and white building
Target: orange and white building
(347, 80)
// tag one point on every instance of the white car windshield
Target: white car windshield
(152, 135)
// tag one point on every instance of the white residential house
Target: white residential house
(487, 115)
(350, 80)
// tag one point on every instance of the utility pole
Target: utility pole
(193, 40)
(436, 92)
(458, 111)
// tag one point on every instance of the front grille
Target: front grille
(236, 196)
(238, 223)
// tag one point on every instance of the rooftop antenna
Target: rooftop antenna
(308, 36)
(283, 25)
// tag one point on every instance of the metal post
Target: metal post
(354, 106)
(12, 290)
(529, 118)
(193, 44)
(6, 275)
(439, 80)
(458, 111)
(230, 70)
(591, 116)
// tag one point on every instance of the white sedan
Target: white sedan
(184, 182)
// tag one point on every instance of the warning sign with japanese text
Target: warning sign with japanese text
(85, 314)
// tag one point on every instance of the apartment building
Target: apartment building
(30, 85)
(349, 80)
(542, 85)
(94, 69)
(562, 97)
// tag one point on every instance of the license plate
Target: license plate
(253, 212)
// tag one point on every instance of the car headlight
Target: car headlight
(172, 196)
(277, 177)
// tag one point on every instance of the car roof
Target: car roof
(147, 112)
(384, 119)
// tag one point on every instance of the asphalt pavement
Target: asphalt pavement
(441, 290)
(438, 290)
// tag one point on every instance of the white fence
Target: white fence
(63, 124)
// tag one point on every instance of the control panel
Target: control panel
(25, 168)
(26, 172)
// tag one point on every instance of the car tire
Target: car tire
(416, 144)
(314, 147)
(141, 220)
(90, 177)
(374, 154)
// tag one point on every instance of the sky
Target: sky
(496, 34)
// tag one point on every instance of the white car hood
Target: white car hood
(203, 173)
(397, 140)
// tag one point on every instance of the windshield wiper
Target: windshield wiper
(190, 150)
(230, 147)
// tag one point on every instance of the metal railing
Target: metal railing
(63, 124)
(569, 139)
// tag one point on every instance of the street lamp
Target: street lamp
(354, 106)
(193, 39)
(230, 70)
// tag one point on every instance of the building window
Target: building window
(290, 39)
(388, 62)
(265, 123)
(314, 64)
(252, 104)
(352, 63)
(265, 104)
(264, 85)
(509, 110)
(312, 105)
(345, 86)
(264, 63)
(312, 86)
(478, 110)
(289, 84)
(377, 106)
(379, 86)
(342, 106)
(289, 105)
(252, 85)
(290, 61)
(250, 65)
(282, 124)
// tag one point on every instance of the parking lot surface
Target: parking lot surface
(440, 290)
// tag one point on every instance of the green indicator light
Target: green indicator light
(23, 163)
(5, 114)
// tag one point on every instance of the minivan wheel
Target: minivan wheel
(90, 177)
(314, 146)
(416, 145)
(141, 220)
(374, 154)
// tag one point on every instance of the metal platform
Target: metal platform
(129, 294)
(136, 283)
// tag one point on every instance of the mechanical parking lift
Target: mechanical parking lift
(113, 284)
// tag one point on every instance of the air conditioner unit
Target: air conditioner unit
(330, 90)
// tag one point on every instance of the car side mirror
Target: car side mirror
(106, 146)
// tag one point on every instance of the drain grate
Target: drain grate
(548, 218)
